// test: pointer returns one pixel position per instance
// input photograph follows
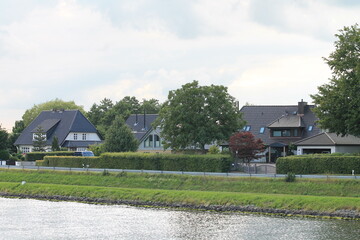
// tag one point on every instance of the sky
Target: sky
(267, 52)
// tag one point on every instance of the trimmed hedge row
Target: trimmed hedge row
(318, 164)
(146, 161)
(33, 156)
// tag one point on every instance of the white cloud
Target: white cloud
(76, 51)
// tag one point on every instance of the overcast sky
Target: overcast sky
(265, 51)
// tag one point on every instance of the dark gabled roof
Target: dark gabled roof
(328, 139)
(263, 116)
(140, 124)
(56, 123)
(46, 125)
(287, 121)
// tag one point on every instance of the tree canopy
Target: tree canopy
(119, 137)
(3, 139)
(197, 115)
(102, 115)
(244, 146)
(33, 112)
(338, 102)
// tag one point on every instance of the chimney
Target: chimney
(301, 107)
(144, 120)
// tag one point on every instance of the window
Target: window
(84, 136)
(310, 128)
(285, 133)
(262, 130)
(246, 128)
(75, 136)
(157, 142)
(277, 133)
(25, 149)
(149, 142)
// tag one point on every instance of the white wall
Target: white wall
(89, 136)
(348, 149)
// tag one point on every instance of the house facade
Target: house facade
(328, 143)
(280, 126)
(73, 130)
(148, 137)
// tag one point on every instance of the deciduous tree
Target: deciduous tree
(244, 146)
(197, 115)
(119, 138)
(33, 112)
(338, 102)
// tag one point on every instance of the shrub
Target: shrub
(4, 154)
(105, 173)
(290, 177)
(33, 156)
(318, 164)
(166, 162)
(214, 149)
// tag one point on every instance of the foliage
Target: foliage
(290, 177)
(16, 131)
(214, 149)
(119, 138)
(55, 144)
(33, 112)
(338, 102)
(318, 164)
(197, 115)
(3, 139)
(33, 156)
(4, 154)
(244, 146)
(102, 115)
(39, 140)
(165, 162)
(97, 149)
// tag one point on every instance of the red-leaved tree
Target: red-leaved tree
(244, 146)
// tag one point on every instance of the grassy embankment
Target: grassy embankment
(309, 195)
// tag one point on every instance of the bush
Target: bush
(33, 156)
(290, 177)
(214, 150)
(4, 154)
(165, 162)
(73, 162)
(318, 164)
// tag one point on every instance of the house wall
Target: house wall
(89, 136)
(152, 148)
(347, 149)
(30, 148)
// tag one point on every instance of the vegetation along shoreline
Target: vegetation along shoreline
(309, 198)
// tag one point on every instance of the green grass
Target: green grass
(316, 195)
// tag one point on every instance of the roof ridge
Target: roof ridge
(330, 138)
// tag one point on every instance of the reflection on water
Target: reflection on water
(34, 219)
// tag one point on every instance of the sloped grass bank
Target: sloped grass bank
(213, 193)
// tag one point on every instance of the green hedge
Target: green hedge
(67, 161)
(318, 164)
(33, 156)
(147, 161)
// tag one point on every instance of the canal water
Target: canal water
(35, 219)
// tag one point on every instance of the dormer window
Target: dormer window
(246, 128)
(262, 130)
(285, 133)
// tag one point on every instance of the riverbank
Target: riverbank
(321, 198)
